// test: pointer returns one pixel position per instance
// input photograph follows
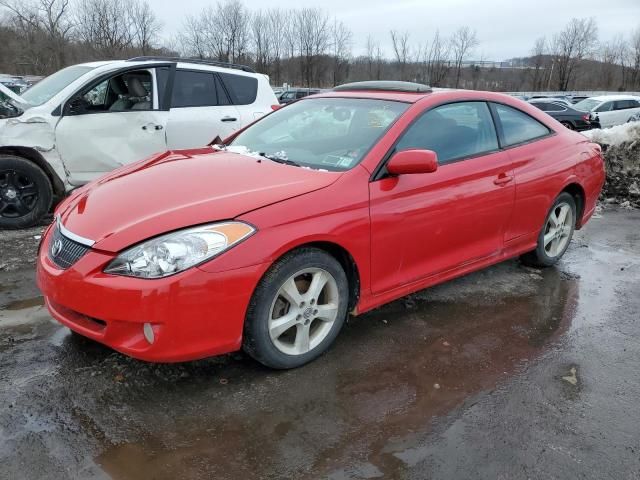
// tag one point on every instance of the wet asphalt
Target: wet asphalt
(507, 373)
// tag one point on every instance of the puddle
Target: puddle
(390, 373)
(24, 304)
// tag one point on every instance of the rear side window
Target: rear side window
(243, 89)
(196, 89)
(605, 107)
(519, 127)
(453, 131)
(625, 104)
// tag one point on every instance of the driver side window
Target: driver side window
(128, 91)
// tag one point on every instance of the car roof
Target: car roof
(604, 98)
(414, 97)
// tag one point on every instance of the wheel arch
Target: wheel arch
(36, 157)
(577, 192)
(343, 256)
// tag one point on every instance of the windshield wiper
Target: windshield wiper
(275, 158)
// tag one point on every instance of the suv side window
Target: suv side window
(517, 126)
(194, 89)
(243, 89)
(454, 131)
(625, 104)
(605, 107)
(130, 90)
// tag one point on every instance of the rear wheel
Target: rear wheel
(556, 234)
(568, 125)
(25, 192)
(297, 309)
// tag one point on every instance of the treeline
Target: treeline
(306, 47)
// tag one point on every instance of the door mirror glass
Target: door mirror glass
(76, 106)
(413, 161)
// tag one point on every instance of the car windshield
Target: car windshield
(587, 105)
(45, 89)
(324, 133)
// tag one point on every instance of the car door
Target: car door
(606, 114)
(625, 109)
(425, 224)
(114, 120)
(243, 92)
(200, 110)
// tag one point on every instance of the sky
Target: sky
(505, 28)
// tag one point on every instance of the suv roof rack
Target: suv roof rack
(384, 86)
(200, 61)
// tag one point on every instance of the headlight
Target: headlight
(172, 253)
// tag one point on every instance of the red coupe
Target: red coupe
(334, 204)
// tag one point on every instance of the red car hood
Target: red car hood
(180, 189)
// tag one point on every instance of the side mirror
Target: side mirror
(413, 161)
(75, 106)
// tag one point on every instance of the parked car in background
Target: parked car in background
(611, 109)
(337, 203)
(88, 119)
(297, 93)
(566, 114)
(578, 98)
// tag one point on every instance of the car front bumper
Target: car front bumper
(193, 314)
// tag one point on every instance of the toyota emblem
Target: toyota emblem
(56, 248)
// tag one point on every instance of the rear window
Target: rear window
(243, 89)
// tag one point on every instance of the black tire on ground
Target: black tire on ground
(568, 125)
(540, 257)
(25, 192)
(257, 341)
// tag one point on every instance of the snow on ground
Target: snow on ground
(627, 132)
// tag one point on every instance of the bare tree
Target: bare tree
(145, 24)
(401, 50)
(261, 36)
(340, 50)
(313, 36)
(48, 26)
(277, 41)
(570, 47)
(463, 42)
(105, 27)
(437, 60)
(539, 63)
(634, 58)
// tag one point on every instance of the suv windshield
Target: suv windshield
(324, 133)
(587, 105)
(45, 89)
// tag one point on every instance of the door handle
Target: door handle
(155, 127)
(503, 179)
(229, 119)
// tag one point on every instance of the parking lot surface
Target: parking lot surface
(507, 373)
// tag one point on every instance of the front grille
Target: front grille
(63, 251)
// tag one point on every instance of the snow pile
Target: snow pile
(621, 148)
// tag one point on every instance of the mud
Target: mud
(507, 373)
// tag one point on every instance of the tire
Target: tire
(25, 192)
(568, 125)
(277, 318)
(556, 245)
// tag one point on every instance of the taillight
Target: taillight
(275, 107)
(586, 117)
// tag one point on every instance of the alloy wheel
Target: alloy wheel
(558, 229)
(303, 311)
(18, 194)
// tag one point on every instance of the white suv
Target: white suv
(611, 110)
(88, 119)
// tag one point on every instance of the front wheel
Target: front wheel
(556, 234)
(25, 192)
(297, 310)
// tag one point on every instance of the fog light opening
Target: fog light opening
(147, 329)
